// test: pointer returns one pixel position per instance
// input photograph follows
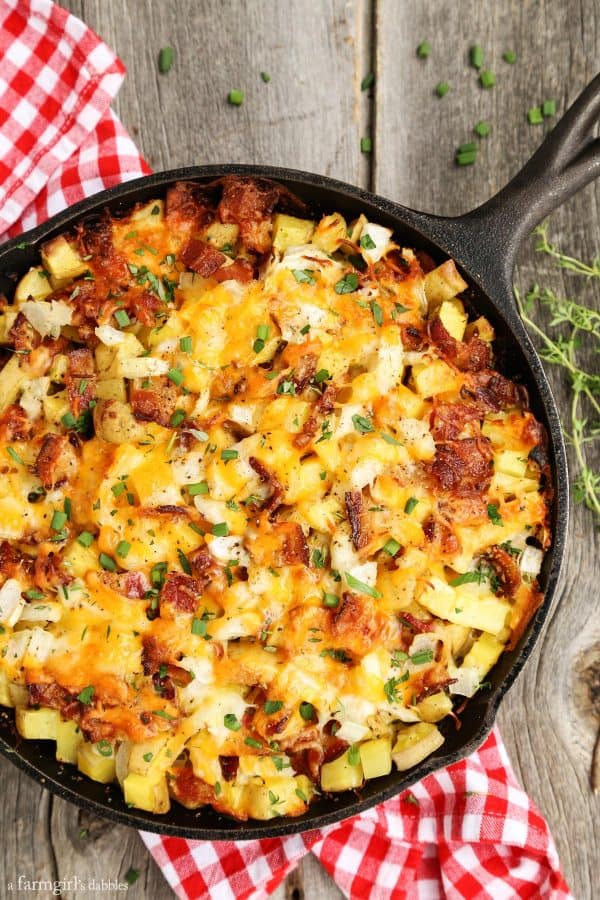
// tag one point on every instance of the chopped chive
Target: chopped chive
(422, 656)
(107, 562)
(487, 79)
(410, 505)
(391, 547)
(482, 129)
(548, 108)
(535, 116)
(304, 276)
(307, 711)
(362, 587)
(201, 487)
(165, 60)
(177, 417)
(229, 454)
(442, 89)
(366, 145)
(122, 318)
(86, 538)
(367, 242)
(185, 344)
(176, 376)
(493, 514)
(424, 49)
(467, 158)
(346, 285)
(469, 147)
(199, 627)
(86, 695)
(68, 420)
(252, 742)
(476, 55)
(14, 456)
(353, 755)
(272, 706)
(376, 312)
(32, 594)
(59, 520)
(390, 439)
(265, 77)
(466, 578)
(300, 793)
(331, 600)
(220, 529)
(367, 82)
(510, 57)
(123, 548)
(235, 97)
(119, 488)
(362, 424)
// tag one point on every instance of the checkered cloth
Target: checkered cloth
(468, 831)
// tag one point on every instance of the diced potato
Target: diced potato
(4, 694)
(443, 283)
(93, 764)
(18, 693)
(12, 381)
(68, 739)
(55, 407)
(453, 317)
(59, 367)
(109, 358)
(62, 261)
(465, 606)
(144, 793)
(435, 377)
(511, 462)
(484, 654)
(141, 367)
(79, 560)
(277, 796)
(341, 774)
(222, 234)
(145, 754)
(435, 707)
(115, 423)
(415, 743)
(111, 389)
(149, 214)
(330, 232)
(289, 231)
(376, 757)
(34, 285)
(37, 724)
(482, 328)
(7, 320)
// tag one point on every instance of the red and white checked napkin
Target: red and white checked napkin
(468, 831)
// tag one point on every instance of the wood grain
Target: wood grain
(311, 115)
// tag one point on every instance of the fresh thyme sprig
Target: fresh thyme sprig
(579, 322)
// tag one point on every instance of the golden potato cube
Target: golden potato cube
(453, 317)
(79, 560)
(55, 407)
(37, 724)
(415, 743)
(330, 233)
(277, 796)
(7, 320)
(4, 694)
(144, 793)
(94, 764)
(435, 707)
(12, 381)
(511, 462)
(62, 261)
(443, 283)
(34, 285)
(484, 654)
(433, 378)
(341, 774)
(482, 328)
(68, 739)
(149, 214)
(376, 757)
(18, 693)
(222, 234)
(111, 389)
(289, 231)
(146, 754)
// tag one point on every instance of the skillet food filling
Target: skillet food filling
(268, 514)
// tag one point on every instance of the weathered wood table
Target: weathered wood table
(312, 115)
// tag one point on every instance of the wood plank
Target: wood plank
(549, 721)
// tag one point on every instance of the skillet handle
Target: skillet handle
(487, 239)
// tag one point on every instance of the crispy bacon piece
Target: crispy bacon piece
(419, 625)
(86, 309)
(80, 380)
(202, 258)
(189, 207)
(204, 567)
(293, 549)
(53, 695)
(155, 404)
(506, 570)
(464, 467)
(154, 654)
(322, 407)
(23, 336)
(57, 461)
(95, 239)
(130, 584)
(275, 487)
(429, 681)
(440, 533)
(448, 420)
(356, 516)
(12, 561)
(326, 401)
(468, 356)
(412, 337)
(354, 624)
(494, 392)
(144, 307)
(47, 573)
(14, 424)
(192, 792)
(181, 591)
(240, 270)
(305, 371)
(229, 767)
(248, 203)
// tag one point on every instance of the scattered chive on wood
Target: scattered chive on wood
(535, 116)
(482, 129)
(510, 57)
(476, 56)
(442, 89)
(165, 60)
(367, 82)
(235, 97)
(487, 79)
(366, 145)
(548, 108)
(424, 49)
(265, 77)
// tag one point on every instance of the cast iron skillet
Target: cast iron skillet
(484, 244)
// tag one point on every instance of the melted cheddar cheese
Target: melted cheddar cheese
(267, 508)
